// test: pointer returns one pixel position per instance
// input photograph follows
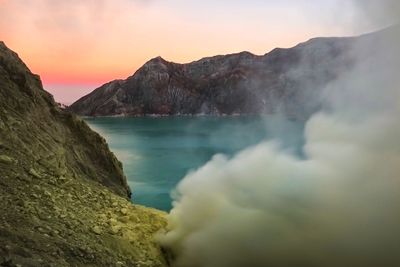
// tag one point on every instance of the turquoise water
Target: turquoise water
(158, 152)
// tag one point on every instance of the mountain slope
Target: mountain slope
(283, 80)
(64, 197)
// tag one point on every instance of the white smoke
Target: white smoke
(337, 206)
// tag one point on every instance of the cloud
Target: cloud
(337, 206)
(66, 24)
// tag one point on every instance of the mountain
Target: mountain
(284, 80)
(64, 198)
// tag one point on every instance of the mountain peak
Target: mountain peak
(157, 59)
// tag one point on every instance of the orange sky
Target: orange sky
(75, 45)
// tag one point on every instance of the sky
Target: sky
(78, 45)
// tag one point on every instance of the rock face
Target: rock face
(64, 197)
(283, 80)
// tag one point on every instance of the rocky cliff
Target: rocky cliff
(284, 80)
(64, 197)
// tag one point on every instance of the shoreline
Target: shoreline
(192, 116)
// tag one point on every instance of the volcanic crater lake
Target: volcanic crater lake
(158, 152)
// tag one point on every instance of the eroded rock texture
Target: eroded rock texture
(284, 80)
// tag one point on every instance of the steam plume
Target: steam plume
(337, 206)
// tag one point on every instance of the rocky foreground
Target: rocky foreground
(64, 200)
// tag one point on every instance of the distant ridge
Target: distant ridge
(283, 80)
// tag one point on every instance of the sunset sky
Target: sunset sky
(77, 45)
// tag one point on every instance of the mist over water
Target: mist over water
(158, 152)
(338, 205)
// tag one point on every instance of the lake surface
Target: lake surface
(158, 152)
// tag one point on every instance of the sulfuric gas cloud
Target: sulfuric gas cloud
(337, 206)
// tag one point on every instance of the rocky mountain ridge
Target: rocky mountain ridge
(283, 80)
